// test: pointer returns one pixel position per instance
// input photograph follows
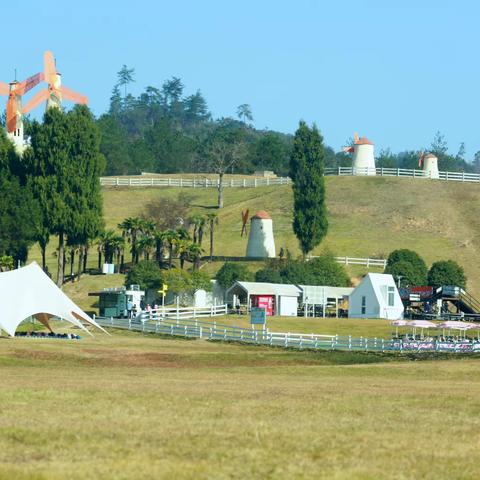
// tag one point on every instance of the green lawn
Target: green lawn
(130, 406)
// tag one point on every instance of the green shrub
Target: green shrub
(147, 274)
(323, 270)
(446, 272)
(409, 265)
(231, 273)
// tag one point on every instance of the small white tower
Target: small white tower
(15, 125)
(429, 164)
(363, 162)
(260, 241)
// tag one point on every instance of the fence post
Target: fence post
(181, 182)
(244, 183)
(255, 183)
(116, 181)
(349, 342)
(129, 182)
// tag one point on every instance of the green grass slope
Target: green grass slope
(368, 217)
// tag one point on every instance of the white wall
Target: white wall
(288, 306)
(374, 287)
(260, 241)
(364, 159)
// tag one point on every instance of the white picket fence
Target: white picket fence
(367, 262)
(192, 182)
(194, 328)
(275, 181)
(404, 172)
(181, 313)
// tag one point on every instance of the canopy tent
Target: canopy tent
(27, 292)
(452, 325)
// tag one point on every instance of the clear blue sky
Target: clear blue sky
(394, 71)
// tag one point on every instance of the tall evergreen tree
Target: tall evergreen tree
(310, 222)
(63, 168)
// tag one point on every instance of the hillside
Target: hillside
(368, 217)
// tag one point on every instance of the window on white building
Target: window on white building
(391, 296)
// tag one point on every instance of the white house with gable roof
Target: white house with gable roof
(376, 297)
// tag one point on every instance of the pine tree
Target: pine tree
(310, 222)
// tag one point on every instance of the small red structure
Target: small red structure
(264, 301)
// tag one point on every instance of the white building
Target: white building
(261, 243)
(276, 298)
(363, 162)
(323, 299)
(376, 297)
(429, 163)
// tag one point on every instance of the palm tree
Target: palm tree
(110, 244)
(171, 237)
(145, 245)
(194, 252)
(198, 222)
(160, 239)
(212, 220)
(118, 249)
(182, 251)
(244, 112)
(132, 228)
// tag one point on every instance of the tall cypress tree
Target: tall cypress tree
(86, 165)
(63, 168)
(306, 171)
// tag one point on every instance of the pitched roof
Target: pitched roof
(260, 288)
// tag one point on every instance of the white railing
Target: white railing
(367, 262)
(192, 182)
(274, 181)
(195, 328)
(183, 313)
(403, 172)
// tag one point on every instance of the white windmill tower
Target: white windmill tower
(14, 116)
(428, 162)
(261, 243)
(56, 92)
(363, 162)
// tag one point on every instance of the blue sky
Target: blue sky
(394, 71)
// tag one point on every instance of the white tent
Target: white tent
(27, 292)
(376, 297)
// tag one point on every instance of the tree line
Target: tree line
(53, 189)
(164, 130)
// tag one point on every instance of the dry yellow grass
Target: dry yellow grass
(128, 406)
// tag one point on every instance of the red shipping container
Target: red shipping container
(264, 301)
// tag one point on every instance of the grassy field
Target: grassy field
(368, 217)
(131, 406)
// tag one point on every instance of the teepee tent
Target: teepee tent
(27, 292)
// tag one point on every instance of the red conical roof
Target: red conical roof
(262, 215)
